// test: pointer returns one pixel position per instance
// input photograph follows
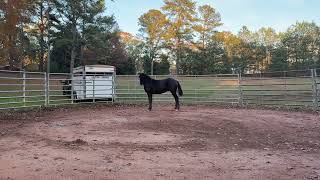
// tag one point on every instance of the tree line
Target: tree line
(189, 35)
(181, 36)
(77, 32)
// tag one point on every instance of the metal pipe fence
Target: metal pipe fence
(287, 88)
(196, 89)
(21, 89)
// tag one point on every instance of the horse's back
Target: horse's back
(164, 85)
(169, 82)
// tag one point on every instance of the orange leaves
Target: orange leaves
(154, 24)
(15, 13)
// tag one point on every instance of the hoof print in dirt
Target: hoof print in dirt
(77, 142)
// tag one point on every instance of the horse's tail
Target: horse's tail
(179, 89)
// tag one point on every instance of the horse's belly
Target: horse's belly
(161, 91)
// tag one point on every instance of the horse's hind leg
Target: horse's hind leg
(150, 101)
(176, 98)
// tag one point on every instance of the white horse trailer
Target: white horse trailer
(94, 82)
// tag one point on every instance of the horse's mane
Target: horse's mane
(144, 77)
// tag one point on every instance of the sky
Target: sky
(278, 14)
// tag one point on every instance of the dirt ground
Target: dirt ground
(132, 143)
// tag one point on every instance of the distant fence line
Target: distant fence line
(20, 89)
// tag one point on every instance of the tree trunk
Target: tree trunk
(178, 47)
(152, 56)
(203, 41)
(81, 55)
(318, 59)
(151, 67)
(11, 52)
(151, 63)
(73, 50)
(82, 44)
(41, 63)
(73, 56)
(267, 59)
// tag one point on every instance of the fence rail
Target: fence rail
(20, 89)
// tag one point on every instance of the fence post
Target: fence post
(24, 87)
(113, 87)
(93, 88)
(240, 89)
(314, 89)
(72, 88)
(194, 101)
(135, 88)
(48, 88)
(285, 85)
(197, 99)
(45, 89)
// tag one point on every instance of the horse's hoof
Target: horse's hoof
(177, 110)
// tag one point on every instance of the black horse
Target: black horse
(152, 86)
(66, 87)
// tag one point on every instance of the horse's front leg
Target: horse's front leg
(150, 101)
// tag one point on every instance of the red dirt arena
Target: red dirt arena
(129, 142)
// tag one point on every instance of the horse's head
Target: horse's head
(65, 82)
(143, 77)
